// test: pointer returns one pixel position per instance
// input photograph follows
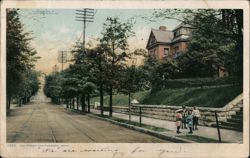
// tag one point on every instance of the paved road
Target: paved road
(41, 121)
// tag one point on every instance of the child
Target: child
(184, 117)
(196, 115)
(189, 121)
(178, 120)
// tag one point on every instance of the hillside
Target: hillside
(203, 97)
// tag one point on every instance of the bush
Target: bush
(202, 82)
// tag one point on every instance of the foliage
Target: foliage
(30, 84)
(153, 74)
(201, 82)
(52, 87)
(114, 36)
(132, 77)
(21, 56)
(216, 41)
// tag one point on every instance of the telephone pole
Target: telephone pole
(85, 15)
(62, 57)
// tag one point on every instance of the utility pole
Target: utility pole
(62, 57)
(85, 15)
(55, 68)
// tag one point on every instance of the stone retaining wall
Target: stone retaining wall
(165, 112)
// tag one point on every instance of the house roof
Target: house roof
(181, 25)
(163, 36)
(166, 36)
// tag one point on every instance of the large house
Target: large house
(165, 43)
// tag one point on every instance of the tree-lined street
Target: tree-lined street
(190, 64)
(42, 121)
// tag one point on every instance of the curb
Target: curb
(143, 130)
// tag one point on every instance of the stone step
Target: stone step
(232, 124)
(235, 120)
(239, 112)
(237, 109)
(240, 129)
(237, 116)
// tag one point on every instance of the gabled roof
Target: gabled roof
(163, 36)
(160, 36)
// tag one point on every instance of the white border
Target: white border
(187, 150)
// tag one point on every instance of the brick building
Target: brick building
(164, 43)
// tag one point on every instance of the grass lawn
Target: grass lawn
(203, 97)
(154, 128)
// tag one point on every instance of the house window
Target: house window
(176, 33)
(177, 54)
(166, 51)
(176, 51)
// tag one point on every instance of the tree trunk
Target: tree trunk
(110, 100)
(77, 102)
(8, 105)
(20, 102)
(71, 103)
(88, 103)
(24, 100)
(83, 102)
(67, 103)
(101, 99)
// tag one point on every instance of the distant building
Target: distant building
(164, 43)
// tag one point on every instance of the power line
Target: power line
(85, 15)
(62, 57)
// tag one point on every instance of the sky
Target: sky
(54, 30)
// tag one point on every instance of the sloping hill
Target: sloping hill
(203, 97)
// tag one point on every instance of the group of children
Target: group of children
(187, 119)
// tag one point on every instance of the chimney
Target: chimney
(163, 28)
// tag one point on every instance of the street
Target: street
(42, 121)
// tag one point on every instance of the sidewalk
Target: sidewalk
(208, 132)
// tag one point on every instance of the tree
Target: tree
(115, 35)
(152, 71)
(216, 40)
(98, 66)
(20, 56)
(29, 87)
(53, 87)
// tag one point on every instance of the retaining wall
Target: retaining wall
(166, 112)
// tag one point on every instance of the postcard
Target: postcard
(124, 79)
